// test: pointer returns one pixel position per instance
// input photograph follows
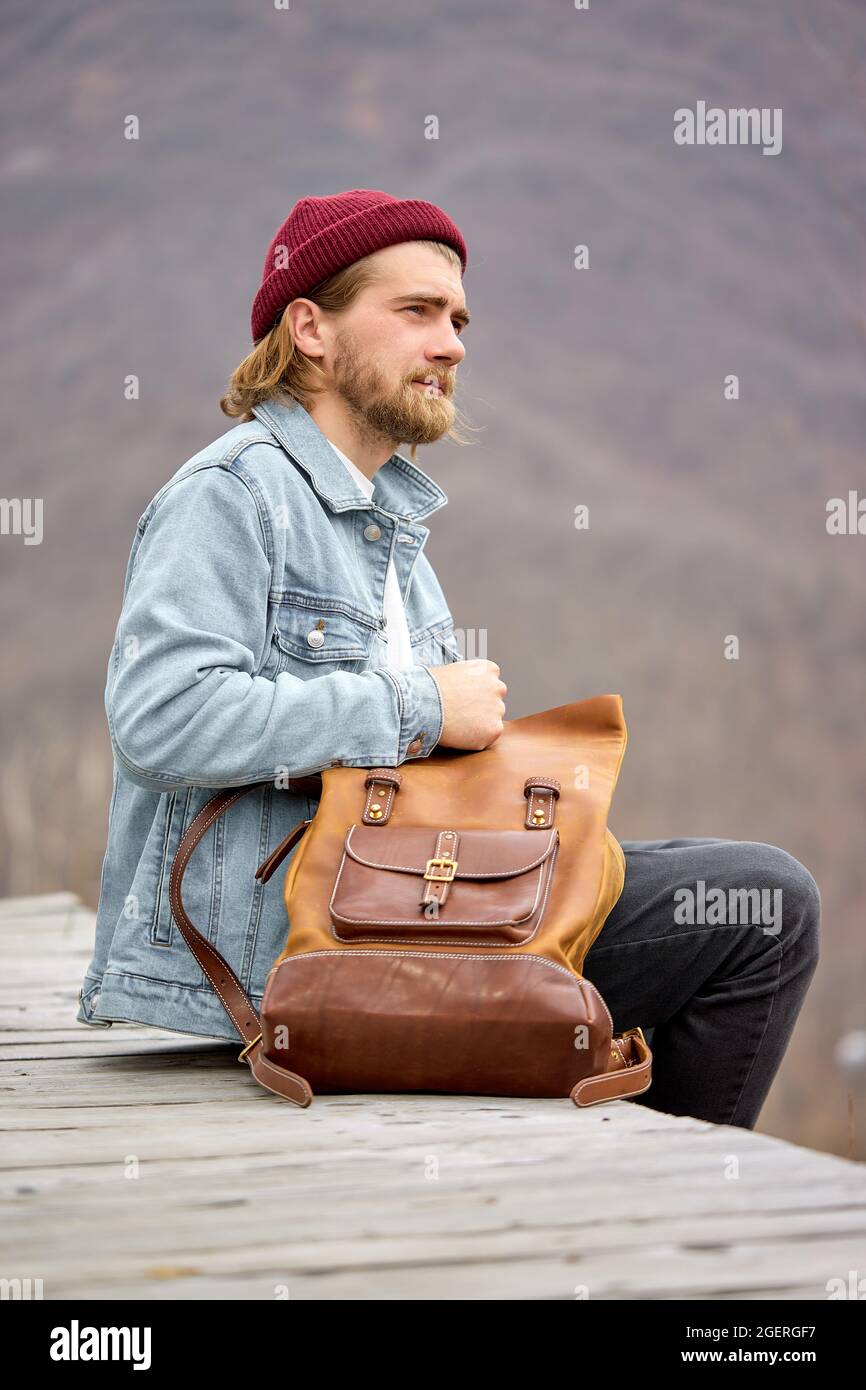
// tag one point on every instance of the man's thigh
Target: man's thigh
(658, 945)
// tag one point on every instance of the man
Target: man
(279, 617)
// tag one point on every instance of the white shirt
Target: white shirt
(397, 629)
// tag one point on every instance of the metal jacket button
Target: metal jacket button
(417, 744)
(372, 532)
(315, 638)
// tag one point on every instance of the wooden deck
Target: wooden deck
(139, 1164)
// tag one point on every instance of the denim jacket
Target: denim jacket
(250, 648)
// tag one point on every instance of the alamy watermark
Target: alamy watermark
(734, 907)
(738, 126)
(22, 516)
(77, 1343)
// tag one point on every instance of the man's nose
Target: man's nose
(451, 350)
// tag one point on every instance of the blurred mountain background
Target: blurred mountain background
(601, 387)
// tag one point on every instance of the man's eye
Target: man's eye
(456, 324)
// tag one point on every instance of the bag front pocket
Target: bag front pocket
(448, 885)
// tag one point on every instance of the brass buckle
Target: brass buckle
(444, 862)
(242, 1055)
(629, 1032)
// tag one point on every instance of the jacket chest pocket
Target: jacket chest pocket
(312, 641)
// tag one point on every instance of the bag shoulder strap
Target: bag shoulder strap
(628, 1071)
(224, 981)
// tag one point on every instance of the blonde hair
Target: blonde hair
(276, 367)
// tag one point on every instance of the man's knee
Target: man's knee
(791, 888)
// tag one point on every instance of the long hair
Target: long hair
(277, 367)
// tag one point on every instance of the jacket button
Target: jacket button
(417, 744)
(315, 638)
(372, 533)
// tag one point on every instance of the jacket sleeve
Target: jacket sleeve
(184, 705)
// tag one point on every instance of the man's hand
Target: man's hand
(472, 703)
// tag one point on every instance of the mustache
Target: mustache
(444, 382)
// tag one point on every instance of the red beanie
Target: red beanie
(322, 235)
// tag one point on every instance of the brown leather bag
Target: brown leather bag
(440, 913)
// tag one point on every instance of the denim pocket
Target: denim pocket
(176, 819)
(317, 638)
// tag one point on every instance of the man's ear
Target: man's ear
(304, 321)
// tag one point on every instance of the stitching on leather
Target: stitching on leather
(264, 1064)
(621, 1081)
(449, 941)
(595, 991)
(432, 955)
(545, 804)
(390, 792)
(434, 887)
(414, 869)
(455, 922)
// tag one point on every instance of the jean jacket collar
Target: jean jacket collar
(400, 486)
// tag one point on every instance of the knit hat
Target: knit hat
(322, 235)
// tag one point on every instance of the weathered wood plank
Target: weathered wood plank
(397, 1197)
(44, 906)
(460, 1272)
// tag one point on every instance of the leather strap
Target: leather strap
(225, 982)
(274, 860)
(446, 852)
(629, 1071)
(629, 1064)
(542, 794)
(383, 784)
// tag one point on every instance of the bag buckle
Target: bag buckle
(242, 1055)
(629, 1033)
(446, 864)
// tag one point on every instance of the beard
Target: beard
(402, 413)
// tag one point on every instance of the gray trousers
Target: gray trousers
(716, 979)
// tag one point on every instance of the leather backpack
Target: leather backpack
(439, 916)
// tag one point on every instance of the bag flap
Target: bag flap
(481, 854)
